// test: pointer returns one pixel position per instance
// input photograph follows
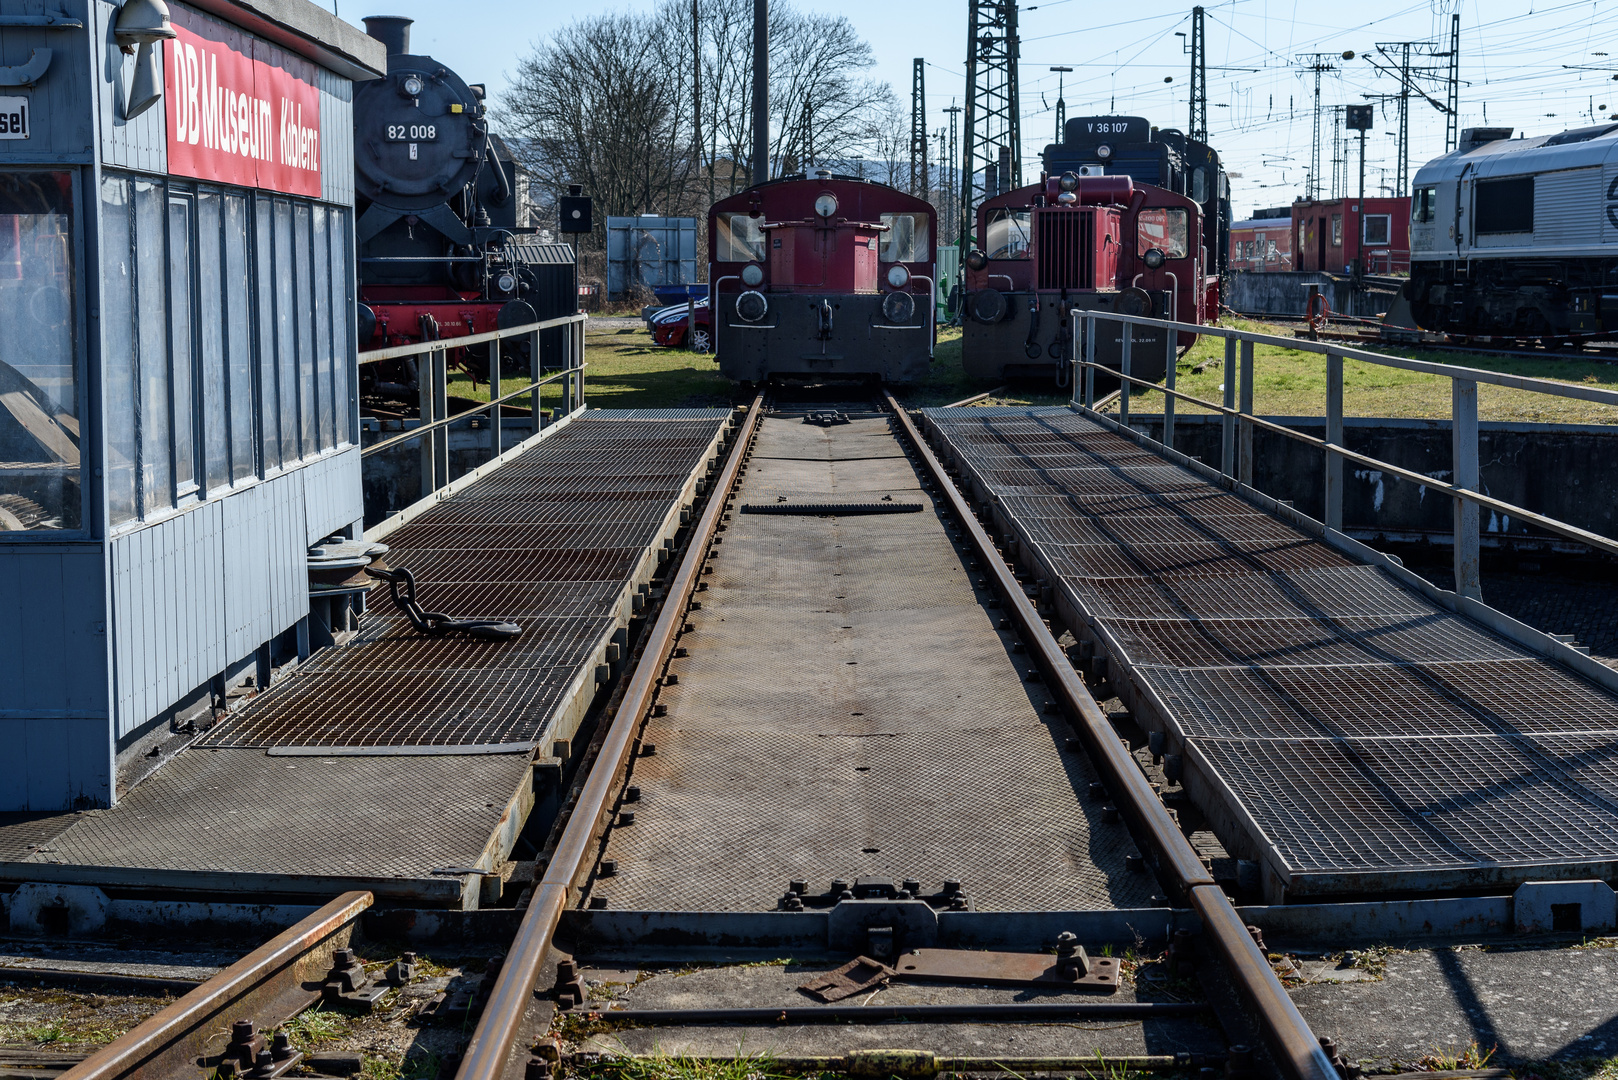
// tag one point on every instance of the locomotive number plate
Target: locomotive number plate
(408, 132)
(15, 119)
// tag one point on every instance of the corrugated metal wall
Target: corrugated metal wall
(199, 591)
(337, 135)
(53, 649)
(141, 143)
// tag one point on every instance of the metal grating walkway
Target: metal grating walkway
(549, 540)
(1339, 726)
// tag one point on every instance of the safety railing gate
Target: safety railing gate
(431, 360)
(1236, 448)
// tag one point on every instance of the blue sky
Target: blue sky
(1539, 66)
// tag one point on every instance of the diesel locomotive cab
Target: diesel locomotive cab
(1070, 244)
(830, 276)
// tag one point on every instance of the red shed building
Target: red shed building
(1330, 234)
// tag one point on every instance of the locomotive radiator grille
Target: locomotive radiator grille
(1065, 248)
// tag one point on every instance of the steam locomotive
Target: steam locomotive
(1070, 244)
(444, 246)
(1518, 237)
(820, 276)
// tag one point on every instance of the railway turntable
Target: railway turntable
(401, 762)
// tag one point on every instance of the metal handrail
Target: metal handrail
(423, 429)
(433, 380)
(1463, 422)
(397, 352)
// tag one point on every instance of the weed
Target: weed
(671, 1067)
(1372, 961)
(46, 1034)
(1449, 1060)
(372, 1068)
(315, 1026)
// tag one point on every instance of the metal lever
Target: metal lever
(402, 587)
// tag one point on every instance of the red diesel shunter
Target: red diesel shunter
(1070, 244)
(823, 276)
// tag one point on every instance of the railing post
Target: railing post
(1227, 442)
(1170, 369)
(1074, 351)
(1090, 324)
(495, 348)
(441, 410)
(534, 368)
(1334, 439)
(427, 397)
(1244, 451)
(578, 356)
(1464, 436)
(1123, 368)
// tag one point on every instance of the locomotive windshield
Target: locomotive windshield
(906, 238)
(1165, 230)
(740, 238)
(1006, 236)
(1424, 205)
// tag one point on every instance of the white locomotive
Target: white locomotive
(1518, 237)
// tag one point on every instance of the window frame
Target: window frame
(92, 512)
(1387, 226)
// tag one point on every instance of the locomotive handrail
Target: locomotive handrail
(1238, 468)
(398, 352)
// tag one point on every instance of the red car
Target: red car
(669, 327)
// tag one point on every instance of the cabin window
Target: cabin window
(1378, 229)
(1424, 205)
(39, 386)
(906, 238)
(1505, 206)
(1006, 234)
(1199, 184)
(740, 238)
(1166, 230)
(227, 339)
(1337, 230)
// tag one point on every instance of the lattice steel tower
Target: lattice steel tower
(993, 128)
(1199, 78)
(920, 182)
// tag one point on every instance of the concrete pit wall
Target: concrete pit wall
(1287, 293)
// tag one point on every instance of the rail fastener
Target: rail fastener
(262, 990)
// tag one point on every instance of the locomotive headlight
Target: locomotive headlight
(752, 306)
(506, 282)
(413, 85)
(976, 260)
(898, 307)
(1154, 259)
(752, 275)
(1069, 181)
(1104, 152)
(826, 205)
(898, 276)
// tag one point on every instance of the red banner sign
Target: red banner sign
(240, 111)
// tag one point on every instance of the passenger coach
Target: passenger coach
(823, 276)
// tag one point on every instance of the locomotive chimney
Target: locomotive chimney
(392, 31)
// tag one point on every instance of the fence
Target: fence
(1236, 450)
(432, 380)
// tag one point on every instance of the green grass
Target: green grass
(314, 1026)
(1291, 382)
(627, 371)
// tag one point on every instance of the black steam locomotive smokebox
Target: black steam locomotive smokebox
(555, 292)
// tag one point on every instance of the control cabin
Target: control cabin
(178, 417)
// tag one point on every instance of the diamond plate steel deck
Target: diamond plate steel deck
(846, 705)
(1350, 732)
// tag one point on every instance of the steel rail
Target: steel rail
(1441, 487)
(922, 1064)
(497, 1029)
(268, 986)
(975, 398)
(1295, 1049)
(1030, 1012)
